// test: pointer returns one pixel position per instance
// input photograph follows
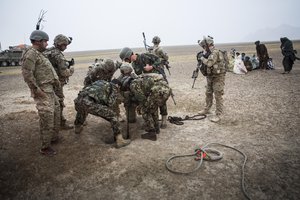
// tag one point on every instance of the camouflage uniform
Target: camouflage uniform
(38, 73)
(139, 64)
(150, 93)
(104, 70)
(157, 50)
(215, 80)
(98, 99)
(60, 64)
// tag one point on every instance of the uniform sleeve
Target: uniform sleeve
(211, 60)
(162, 54)
(28, 68)
(61, 63)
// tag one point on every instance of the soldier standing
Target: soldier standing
(262, 54)
(145, 63)
(216, 71)
(64, 70)
(157, 50)
(42, 80)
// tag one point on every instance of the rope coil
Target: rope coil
(208, 154)
(178, 120)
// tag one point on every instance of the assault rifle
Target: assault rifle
(196, 71)
(166, 63)
(147, 47)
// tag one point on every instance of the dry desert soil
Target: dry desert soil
(261, 119)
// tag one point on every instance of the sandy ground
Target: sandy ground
(262, 119)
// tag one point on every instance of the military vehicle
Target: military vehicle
(12, 56)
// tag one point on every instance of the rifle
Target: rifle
(127, 117)
(166, 63)
(195, 74)
(145, 43)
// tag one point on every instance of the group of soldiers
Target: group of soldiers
(142, 86)
(46, 71)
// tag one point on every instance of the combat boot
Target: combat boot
(151, 135)
(121, 142)
(78, 129)
(120, 118)
(65, 126)
(215, 118)
(163, 124)
(204, 112)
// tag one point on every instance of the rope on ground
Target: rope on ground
(178, 120)
(205, 153)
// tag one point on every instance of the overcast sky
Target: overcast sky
(113, 24)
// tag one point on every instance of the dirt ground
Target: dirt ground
(262, 119)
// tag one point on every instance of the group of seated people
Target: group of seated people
(242, 63)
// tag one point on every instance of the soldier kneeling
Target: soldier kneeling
(98, 99)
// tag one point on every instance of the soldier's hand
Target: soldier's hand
(199, 56)
(38, 93)
(148, 68)
(71, 71)
(71, 62)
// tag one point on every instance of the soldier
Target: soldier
(214, 61)
(288, 52)
(64, 70)
(98, 99)
(145, 63)
(104, 69)
(42, 80)
(148, 92)
(157, 50)
(262, 54)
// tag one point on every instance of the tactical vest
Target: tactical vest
(219, 67)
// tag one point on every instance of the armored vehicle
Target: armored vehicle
(10, 58)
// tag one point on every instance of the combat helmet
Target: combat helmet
(108, 65)
(125, 53)
(206, 41)
(125, 69)
(156, 40)
(62, 39)
(39, 35)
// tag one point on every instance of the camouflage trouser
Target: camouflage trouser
(60, 93)
(150, 116)
(163, 109)
(215, 86)
(49, 114)
(86, 105)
